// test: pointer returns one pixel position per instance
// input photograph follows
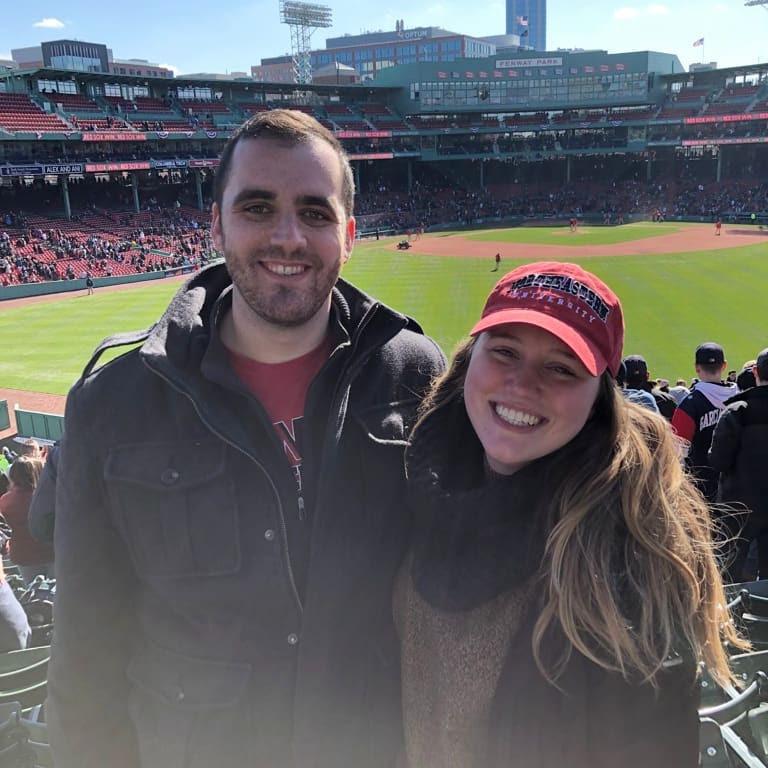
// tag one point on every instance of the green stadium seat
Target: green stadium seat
(712, 750)
(24, 677)
(38, 742)
(14, 748)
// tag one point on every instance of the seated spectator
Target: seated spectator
(43, 507)
(746, 378)
(14, 625)
(636, 396)
(32, 557)
(680, 391)
(637, 378)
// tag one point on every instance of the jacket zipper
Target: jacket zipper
(346, 379)
(283, 526)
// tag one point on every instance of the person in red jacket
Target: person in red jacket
(32, 557)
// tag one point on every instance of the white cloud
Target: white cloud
(626, 13)
(49, 23)
(720, 8)
(631, 12)
(176, 71)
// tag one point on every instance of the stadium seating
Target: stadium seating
(73, 102)
(100, 124)
(19, 113)
(204, 107)
(152, 106)
(23, 677)
(119, 103)
(252, 109)
(692, 94)
(170, 125)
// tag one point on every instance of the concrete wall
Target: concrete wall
(63, 286)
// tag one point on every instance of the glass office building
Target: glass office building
(530, 15)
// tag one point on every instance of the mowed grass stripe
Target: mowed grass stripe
(46, 345)
(672, 303)
(584, 235)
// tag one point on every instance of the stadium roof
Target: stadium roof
(243, 84)
(715, 75)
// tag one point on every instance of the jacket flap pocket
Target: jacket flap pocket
(189, 683)
(391, 423)
(170, 466)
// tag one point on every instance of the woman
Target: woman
(562, 583)
(32, 557)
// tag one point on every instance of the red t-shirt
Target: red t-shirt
(282, 389)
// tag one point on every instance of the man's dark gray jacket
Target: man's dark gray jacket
(182, 638)
(740, 452)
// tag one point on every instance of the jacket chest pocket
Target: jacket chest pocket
(385, 431)
(176, 508)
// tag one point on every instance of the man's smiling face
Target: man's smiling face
(282, 227)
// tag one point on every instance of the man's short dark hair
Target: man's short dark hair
(635, 371)
(761, 365)
(291, 127)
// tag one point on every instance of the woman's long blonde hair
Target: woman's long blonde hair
(630, 573)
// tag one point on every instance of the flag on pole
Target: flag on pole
(522, 20)
(698, 43)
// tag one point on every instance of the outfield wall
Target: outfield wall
(64, 286)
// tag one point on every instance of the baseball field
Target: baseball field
(679, 283)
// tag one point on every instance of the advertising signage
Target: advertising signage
(39, 169)
(205, 163)
(21, 170)
(363, 134)
(113, 136)
(107, 167)
(63, 168)
(718, 142)
(726, 118)
(168, 163)
(373, 156)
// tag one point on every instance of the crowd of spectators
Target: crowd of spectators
(434, 203)
(101, 243)
(102, 235)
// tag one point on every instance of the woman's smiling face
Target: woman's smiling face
(526, 395)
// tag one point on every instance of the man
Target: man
(696, 415)
(637, 379)
(496, 262)
(230, 508)
(740, 453)
(679, 392)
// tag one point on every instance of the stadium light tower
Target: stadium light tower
(303, 19)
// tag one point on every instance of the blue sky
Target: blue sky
(231, 35)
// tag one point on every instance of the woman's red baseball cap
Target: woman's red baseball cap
(572, 304)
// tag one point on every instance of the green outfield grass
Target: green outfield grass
(672, 303)
(582, 236)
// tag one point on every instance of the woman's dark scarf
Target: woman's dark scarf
(476, 536)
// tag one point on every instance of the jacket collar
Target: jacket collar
(180, 340)
(753, 393)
